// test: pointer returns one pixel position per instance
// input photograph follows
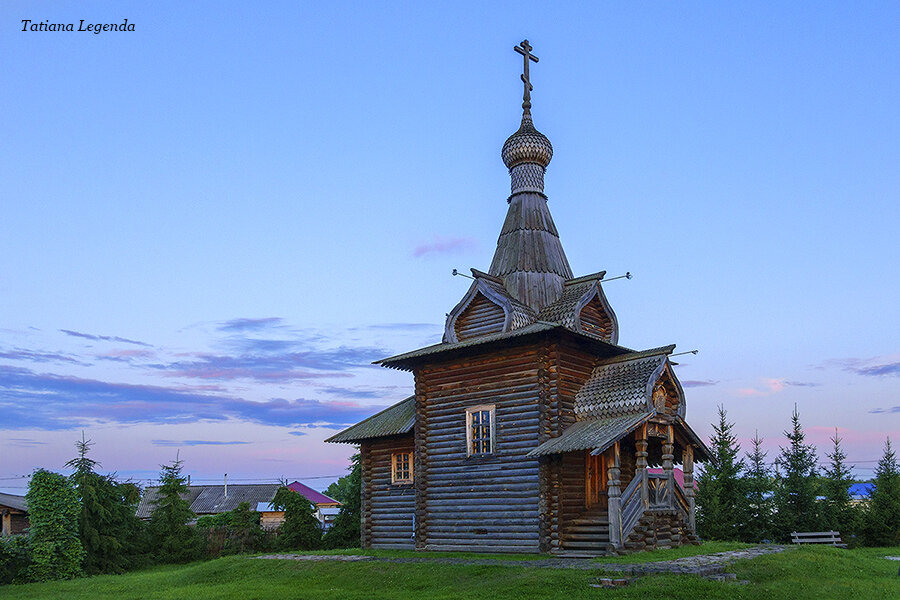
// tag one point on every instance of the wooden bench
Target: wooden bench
(832, 538)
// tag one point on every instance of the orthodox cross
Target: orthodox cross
(525, 50)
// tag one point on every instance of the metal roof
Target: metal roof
(595, 434)
(311, 494)
(211, 499)
(394, 420)
(14, 502)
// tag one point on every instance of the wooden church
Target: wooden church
(531, 428)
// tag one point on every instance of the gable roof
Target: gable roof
(211, 499)
(14, 502)
(311, 494)
(516, 314)
(394, 420)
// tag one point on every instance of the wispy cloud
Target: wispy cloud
(888, 410)
(879, 366)
(104, 338)
(25, 442)
(442, 245)
(773, 385)
(297, 433)
(127, 356)
(691, 383)
(41, 357)
(274, 366)
(194, 443)
(245, 324)
(54, 402)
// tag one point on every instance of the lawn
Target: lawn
(799, 573)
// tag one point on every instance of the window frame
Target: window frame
(394, 460)
(491, 409)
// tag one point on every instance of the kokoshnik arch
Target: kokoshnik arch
(531, 428)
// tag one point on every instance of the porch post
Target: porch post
(688, 460)
(668, 457)
(615, 497)
(640, 463)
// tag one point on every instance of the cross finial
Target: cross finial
(525, 50)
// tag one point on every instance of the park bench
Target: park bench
(818, 537)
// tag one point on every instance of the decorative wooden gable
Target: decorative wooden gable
(584, 308)
(487, 308)
(668, 396)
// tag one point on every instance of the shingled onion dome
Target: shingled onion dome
(527, 145)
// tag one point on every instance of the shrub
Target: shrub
(53, 511)
(15, 559)
(300, 530)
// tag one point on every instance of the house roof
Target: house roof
(211, 499)
(311, 494)
(621, 385)
(564, 310)
(14, 502)
(861, 490)
(394, 420)
(594, 434)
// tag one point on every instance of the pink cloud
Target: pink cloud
(750, 392)
(442, 245)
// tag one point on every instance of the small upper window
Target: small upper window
(401, 467)
(480, 430)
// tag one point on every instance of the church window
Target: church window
(480, 430)
(401, 467)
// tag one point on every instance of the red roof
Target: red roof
(679, 475)
(311, 494)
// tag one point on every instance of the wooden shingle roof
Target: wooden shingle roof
(593, 434)
(623, 384)
(394, 420)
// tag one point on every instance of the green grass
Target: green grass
(811, 572)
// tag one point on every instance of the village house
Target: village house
(13, 514)
(531, 428)
(217, 499)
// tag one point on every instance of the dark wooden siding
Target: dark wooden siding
(595, 320)
(485, 503)
(387, 508)
(481, 317)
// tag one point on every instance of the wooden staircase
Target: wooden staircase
(586, 536)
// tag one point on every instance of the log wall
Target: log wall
(481, 317)
(595, 320)
(387, 508)
(486, 503)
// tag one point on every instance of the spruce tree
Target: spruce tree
(838, 513)
(882, 519)
(345, 531)
(721, 497)
(797, 485)
(300, 530)
(174, 541)
(759, 488)
(107, 524)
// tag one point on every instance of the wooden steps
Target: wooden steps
(585, 536)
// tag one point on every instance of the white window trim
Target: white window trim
(491, 408)
(394, 467)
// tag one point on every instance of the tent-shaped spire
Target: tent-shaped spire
(529, 256)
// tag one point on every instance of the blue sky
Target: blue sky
(211, 225)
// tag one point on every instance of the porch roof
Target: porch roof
(594, 434)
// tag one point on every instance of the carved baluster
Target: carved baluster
(668, 462)
(641, 463)
(615, 497)
(688, 460)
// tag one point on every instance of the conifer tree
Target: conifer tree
(882, 520)
(345, 531)
(797, 486)
(838, 513)
(107, 524)
(721, 498)
(759, 488)
(300, 530)
(174, 541)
